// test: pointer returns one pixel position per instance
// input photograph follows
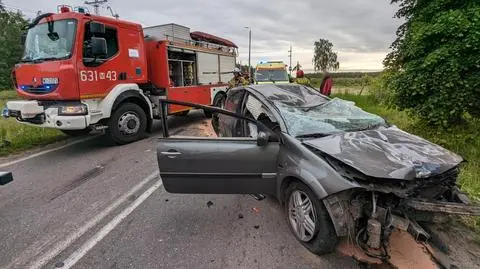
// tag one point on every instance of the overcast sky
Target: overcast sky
(361, 30)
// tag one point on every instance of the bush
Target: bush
(436, 60)
(379, 89)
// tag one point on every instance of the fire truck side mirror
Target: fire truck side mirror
(97, 28)
(99, 47)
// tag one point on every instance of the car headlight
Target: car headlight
(69, 110)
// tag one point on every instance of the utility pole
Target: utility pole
(96, 4)
(290, 56)
(249, 52)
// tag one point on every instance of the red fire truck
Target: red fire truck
(81, 72)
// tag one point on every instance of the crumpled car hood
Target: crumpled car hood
(388, 153)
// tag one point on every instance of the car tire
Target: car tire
(322, 239)
(77, 133)
(127, 124)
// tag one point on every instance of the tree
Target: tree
(434, 60)
(12, 25)
(324, 58)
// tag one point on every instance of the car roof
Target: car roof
(290, 94)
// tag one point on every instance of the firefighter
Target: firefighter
(301, 79)
(237, 80)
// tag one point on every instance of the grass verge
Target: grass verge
(16, 137)
(462, 139)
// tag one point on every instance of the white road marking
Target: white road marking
(46, 151)
(95, 239)
(70, 239)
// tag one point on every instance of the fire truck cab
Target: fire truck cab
(81, 72)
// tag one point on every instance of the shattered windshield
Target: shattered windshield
(326, 118)
(50, 41)
(271, 75)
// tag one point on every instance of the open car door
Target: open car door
(223, 165)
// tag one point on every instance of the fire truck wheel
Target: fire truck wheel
(182, 114)
(127, 124)
(207, 113)
(82, 132)
(219, 100)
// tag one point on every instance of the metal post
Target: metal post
(290, 55)
(249, 52)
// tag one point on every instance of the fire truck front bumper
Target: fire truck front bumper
(64, 115)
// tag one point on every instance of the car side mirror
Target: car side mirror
(99, 46)
(262, 139)
(5, 177)
(96, 28)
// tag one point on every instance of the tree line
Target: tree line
(433, 69)
(12, 24)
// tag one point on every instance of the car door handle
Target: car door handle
(171, 154)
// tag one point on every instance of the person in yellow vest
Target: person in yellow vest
(301, 79)
(237, 80)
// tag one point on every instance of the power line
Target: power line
(96, 4)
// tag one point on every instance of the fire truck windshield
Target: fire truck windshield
(271, 75)
(50, 41)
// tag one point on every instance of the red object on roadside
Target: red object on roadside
(326, 87)
(300, 74)
(256, 210)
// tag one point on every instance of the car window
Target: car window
(255, 109)
(234, 100)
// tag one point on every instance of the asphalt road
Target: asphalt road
(90, 205)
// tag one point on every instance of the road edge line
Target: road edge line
(46, 151)
(38, 263)
(105, 230)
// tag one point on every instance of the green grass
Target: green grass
(16, 137)
(463, 140)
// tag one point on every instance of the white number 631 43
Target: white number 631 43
(95, 75)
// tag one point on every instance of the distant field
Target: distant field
(15, 137)
(341, 79)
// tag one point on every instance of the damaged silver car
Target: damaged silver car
(337, 170)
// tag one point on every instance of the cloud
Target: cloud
(361, 30)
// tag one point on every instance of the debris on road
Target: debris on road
(258, 197)
(240, 216)
(209, 203)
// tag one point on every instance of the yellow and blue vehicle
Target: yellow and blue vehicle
(271, 72)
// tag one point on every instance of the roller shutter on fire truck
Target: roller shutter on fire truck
(227, 64)
(208, 69)
(213, 68)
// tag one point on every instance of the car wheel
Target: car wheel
(309, 220)
(127, 124)
(76, 133)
